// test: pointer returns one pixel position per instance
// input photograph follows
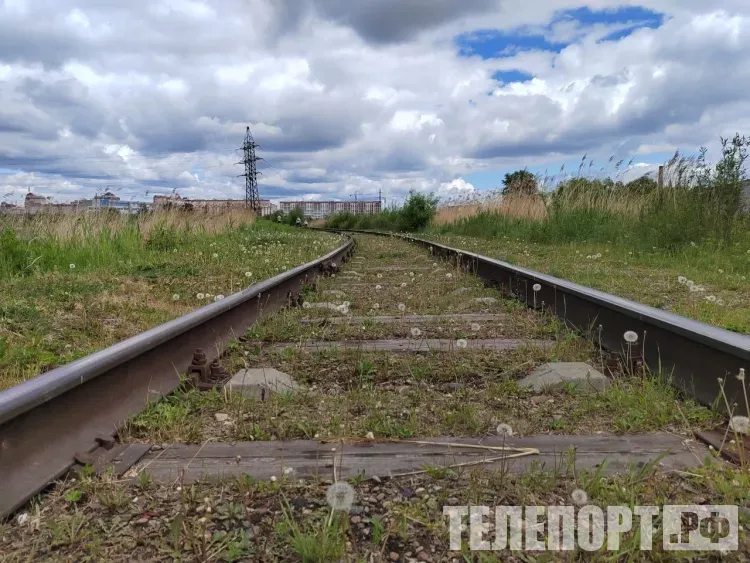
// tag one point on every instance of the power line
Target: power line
(250, 160)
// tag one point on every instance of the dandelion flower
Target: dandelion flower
(72, 266)
(248, 274)
(504, 430)
(461, 343)
(681, 279)
(340, 496)
(630, 336)
(579, 497)
(401, 307)
(415, 332)
(219, 297)
(378, 287)
(175, 297)
(200, 296)
(475, 327)
(536, 287)
(740, 424)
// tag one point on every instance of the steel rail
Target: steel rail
(46, 421)
(694, 354)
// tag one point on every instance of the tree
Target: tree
(520, 182)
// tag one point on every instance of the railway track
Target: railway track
(338, 376)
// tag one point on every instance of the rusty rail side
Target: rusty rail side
(74, 410)
(693, 353)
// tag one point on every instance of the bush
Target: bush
(415, 215)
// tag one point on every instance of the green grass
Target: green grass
(644, 274)
(82, 283)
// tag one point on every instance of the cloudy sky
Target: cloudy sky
(345, 96)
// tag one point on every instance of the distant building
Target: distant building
(323, 209)
(211, 205)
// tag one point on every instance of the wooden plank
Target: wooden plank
(385, 319)
(411, 345)
(311, 458)
(397, 268)
(437, 281)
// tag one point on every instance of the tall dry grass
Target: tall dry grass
(523, 206)
(65, 227)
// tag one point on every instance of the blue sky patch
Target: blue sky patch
(508, 76)
(495, 43)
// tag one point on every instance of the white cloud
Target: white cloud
(345, 97)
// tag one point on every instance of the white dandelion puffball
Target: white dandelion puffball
(380, 276)
(288, 470)
(740, 424)
(306, 305)
(579, 497)
(215, 255)
(370, 436)
(248, 274)
(340, 496)
(200, 296)
(434, 264)
(411, 274)
(378, 287)
(401, 307)
(175, 297)
(219, 297)
(681, 279)
(346, 304)
(333, 265)
(449, 275)
(403, 284)
(588, 257)
(475, 327)
(741, 375)
(415, 332)
(630, 336)
(462, 343)
(72, 266)
(536, 287)
(719, 302)
(376, 305)
(711, 298)
(504, 430)
(689, 283)
(721, 271)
